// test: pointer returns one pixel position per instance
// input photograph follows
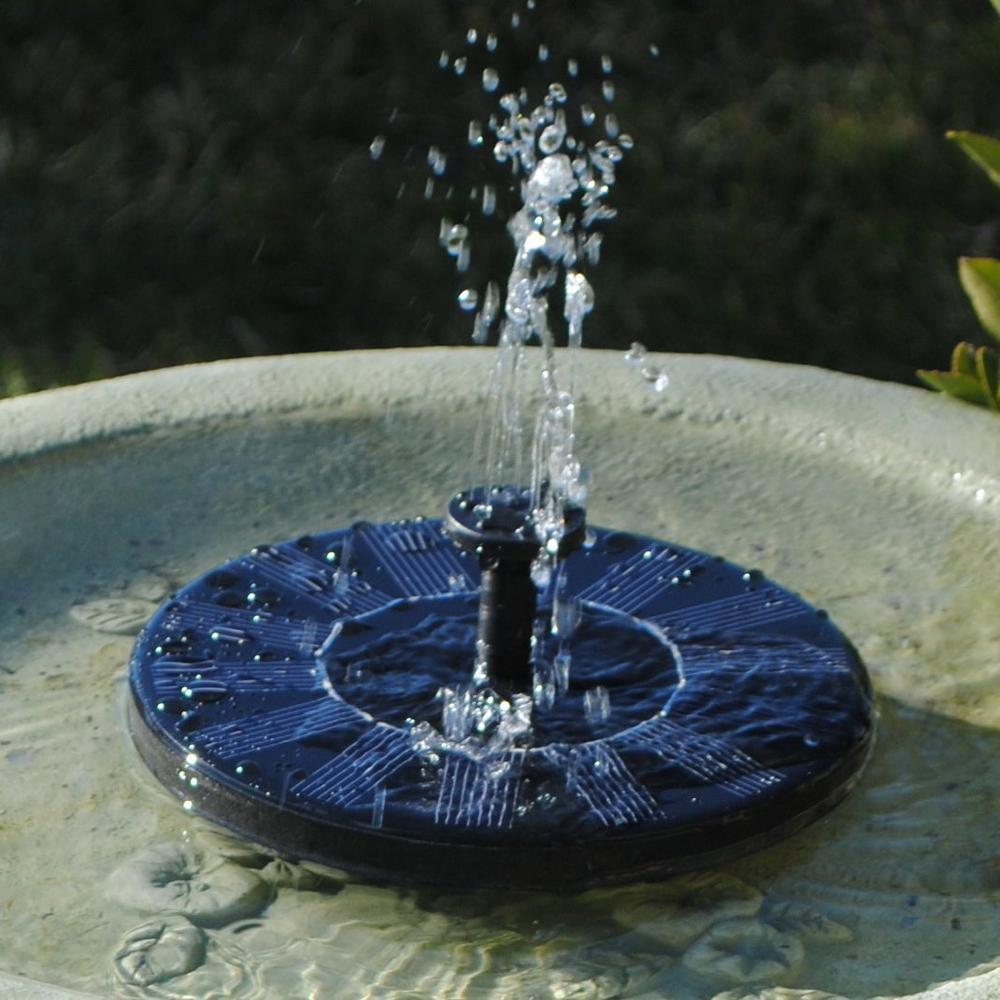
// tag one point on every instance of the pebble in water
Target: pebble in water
(676, 913)
(745, 951)
(177, 878)
(159, 950)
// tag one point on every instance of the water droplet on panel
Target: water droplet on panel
(597, 705)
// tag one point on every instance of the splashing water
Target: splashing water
(565, 180)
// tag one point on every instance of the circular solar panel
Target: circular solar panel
(690, 711)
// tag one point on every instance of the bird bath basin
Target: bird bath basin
(877, 502)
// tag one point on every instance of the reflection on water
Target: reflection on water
(898, 888)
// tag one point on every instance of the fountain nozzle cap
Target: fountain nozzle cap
(498, 521)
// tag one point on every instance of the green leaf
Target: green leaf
(981, 149)
(965, 387)
(963, 358)
(980, 277)
(988, 369)
(996, 3)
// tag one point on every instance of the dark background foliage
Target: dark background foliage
(183, 180)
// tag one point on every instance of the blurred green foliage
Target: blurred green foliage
(184, 181)
(974, 376)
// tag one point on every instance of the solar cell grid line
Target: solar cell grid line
(470, 794)
(634, 581)
(707, 757)
(744, 610)
(313, 583)
(778, 655)
(439, 554)
(416, 573)
(354, 775)
(600, 779)
(205, 617)
(239, 675)
(281, 725)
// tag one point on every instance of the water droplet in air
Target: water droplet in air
(491, 42)
(551, 139)
(572, 67)
(636, 354)
(472, 36)
(460, 63)
(608, 90)
(475, 133)
(626, 141)
(654, 50)
(491, 79)
(376, 147)
(656, 377)
(543, 52)
(468, 298)
(515, 20)
(444, 59)
(611, 128)
(489, 199)
(587, 115)
(606, 64)
(436, 160)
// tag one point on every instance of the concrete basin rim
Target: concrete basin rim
(888, 429)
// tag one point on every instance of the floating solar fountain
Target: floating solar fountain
(505, 697)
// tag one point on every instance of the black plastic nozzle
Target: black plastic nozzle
(497, 524)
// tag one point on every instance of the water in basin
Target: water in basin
(896, 890)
